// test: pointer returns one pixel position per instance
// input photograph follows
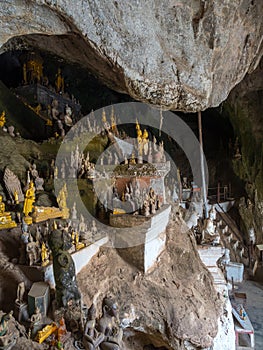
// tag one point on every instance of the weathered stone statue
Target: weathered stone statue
(20, 292)
(64, 268)
(212, 213)
(107, 335)
(32, 251)
(74, 212)
(89, 330)
(8, 331)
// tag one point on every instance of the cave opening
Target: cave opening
(91, 93)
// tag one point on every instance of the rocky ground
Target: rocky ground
(174, 303)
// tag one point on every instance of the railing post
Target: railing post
(218, 192)
(229, 190)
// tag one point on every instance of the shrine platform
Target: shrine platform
(81, 258)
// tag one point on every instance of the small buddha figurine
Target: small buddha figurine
(2, 205)
(44, 254)
(72, 237)
(62, 330)
(59, 81)
(16, 199)
(2, 119)
(145, 141)
(76, 238)
(133, 160)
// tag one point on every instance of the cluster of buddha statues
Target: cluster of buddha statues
(89, 329)
(205, 230)
(33, 73)
(34, 246)
(151, 203)
(62, 122)
(77, 165)
(58, 113)
(133, 200)
(34, 249)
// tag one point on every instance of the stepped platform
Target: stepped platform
(225, 338)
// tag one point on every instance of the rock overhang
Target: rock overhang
(184, 56)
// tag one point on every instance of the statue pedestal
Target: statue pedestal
(20, 311)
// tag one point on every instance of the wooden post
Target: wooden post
(218, 192)
(202, 164)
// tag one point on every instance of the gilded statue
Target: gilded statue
(44, 254)
(29, 199)
(2, 206)
(2, 119)
(59, 81)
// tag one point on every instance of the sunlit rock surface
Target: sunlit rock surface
(185, 55)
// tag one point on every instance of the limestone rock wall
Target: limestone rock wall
(244, 109)
(185, 55)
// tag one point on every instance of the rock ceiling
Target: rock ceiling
(184, 55)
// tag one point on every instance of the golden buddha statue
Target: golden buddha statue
(145, 134)
(33, 69)
(2, 119)
(103, 117)
(62, 201)
(44, 254)
(16, 199)
(132, 160)
(5, 217)
(2, 206)
(28, 203)
(139, 137)
(113, 122)
(59, 82)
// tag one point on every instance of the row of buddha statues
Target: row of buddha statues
(34, 246)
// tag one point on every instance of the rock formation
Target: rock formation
(181, 55)
(171, 306)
